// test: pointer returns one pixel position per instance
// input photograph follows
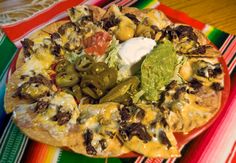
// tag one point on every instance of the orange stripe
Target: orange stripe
(42, 152)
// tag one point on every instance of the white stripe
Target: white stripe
(206, 27)
(56, 155)
(2, 39)
(22, 149)
(5, 134)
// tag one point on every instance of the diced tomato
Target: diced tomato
(98, 43)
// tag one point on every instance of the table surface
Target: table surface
(218, 13)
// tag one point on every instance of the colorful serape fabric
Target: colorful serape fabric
(216, 144)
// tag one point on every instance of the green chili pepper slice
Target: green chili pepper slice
(121, 89)
(98, 67)
(61, 66)
(92, 81)
(77, 92)
(64, 79)
(70, 68)
(88, 91)
(67, 90)
(84, 63)
(109, 77)
(125, 99)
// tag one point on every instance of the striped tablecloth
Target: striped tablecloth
(217, 144)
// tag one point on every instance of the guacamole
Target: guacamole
(158, 69)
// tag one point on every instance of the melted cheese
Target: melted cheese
(40, 37)
(188, 115)
(65, 100)
(155, 17)
(97, 114)
(186, 71)
(153, 148)
(100, 118)
(24, 113)
(38, 63)
(80, 11)
(150, 114)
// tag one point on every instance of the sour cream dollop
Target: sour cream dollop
(134, 49)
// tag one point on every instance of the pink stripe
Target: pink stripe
(154, 160)
(122, 3)
(138, 159)
(172, 160)
(230, 51)
(225, 43)
(233, 64)
(113, 2)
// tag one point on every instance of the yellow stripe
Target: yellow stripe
(52, 154)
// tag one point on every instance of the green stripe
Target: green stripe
(7, 51)
(218, 37)
(12, 144)
(67, 156)
(142, 4)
